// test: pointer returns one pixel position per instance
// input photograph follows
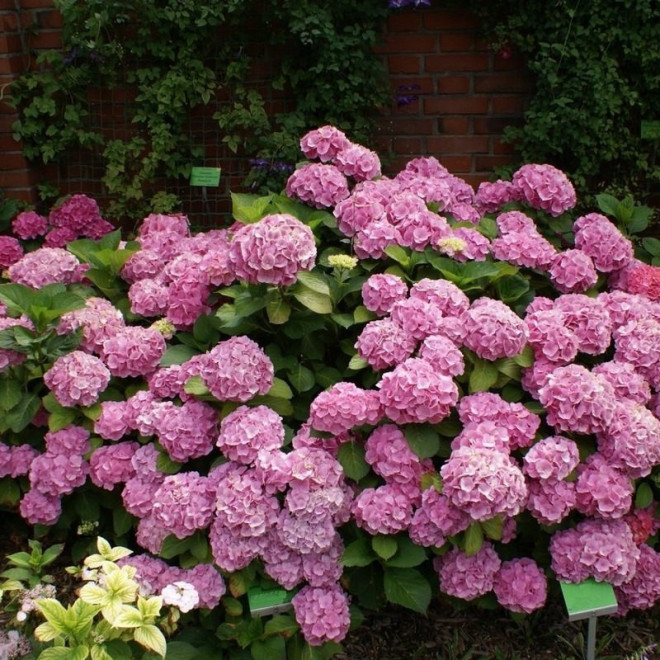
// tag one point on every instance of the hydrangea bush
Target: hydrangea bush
(367, 389)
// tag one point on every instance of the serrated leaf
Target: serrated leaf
(483, 376)
(280, 390)
(64, 653)
(351, 457)
(358, 553)
(177, 354)
(362, 315)
(525, 358)
(643, 496)
(301, 378)
(356, 363)
(278, 311)
(384, 546)
(55, 614)
(493, 528)
(20, 416)
(172, 546)
(474, 539)
(248, 208)
(314, 281)
(281, 624)
(60, 419)
(128, 617)
(181, 651)
(607, 204)
(195, 386)
(151, 638)
(422, 439)
(316, 302)
(408, 554)
(270, 648)
(399, 254)
(651, 245)
(17, 297)
(407, 587)
(10, 393)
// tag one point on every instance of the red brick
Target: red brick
(47, 40)
(406, 126)
(21, 179)
(404, 64)
(489, 163)
(36, 4)
(453, 85)
(508, 105)
(407, 146)
(457, 41)
(450, 20)
(475, 179)
(492, 125)
(24, 193)
(464, 144)
(455, 164)
(456, 62)
(454, 125)
(13, 161)
(500, 147)
(502, 82)
(12, 64)
(408, 43)
(10, 43)
(455, 105)
(404, 22)
(49, 18)
(509, 63)
(9, 22)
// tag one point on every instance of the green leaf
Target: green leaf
(17, 297)
(317, 302)
(10, 492)
(358, 553)
(651, 245)
(493, 528)
(278, 311)
(423, 439)
(64, 653)
(20, 416)
(10, 393)
(511, 288)
(172, 546)
(271, 648)
(249, 208)
(483, 376)
(641, 216)
(362, 315)
(356, 363)
(301, 378)
(122, 521)
(643, 496)
(279, 390)
(407, 587)
(195, 386)
(408, 554)
(281, 624)
(608, 204)
(180, 651)
(400, 254)
(314, 281)
(474, 539)
(61, 418)
(151, 638)
(351, 457)
(525, 358)
(384, 546)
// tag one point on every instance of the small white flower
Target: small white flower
(21, 615)
(180, 594)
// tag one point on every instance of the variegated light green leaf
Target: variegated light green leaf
(150, 607)
(152, 638)
(128, 617)
(55, 614)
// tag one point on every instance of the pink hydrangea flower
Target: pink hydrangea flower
(144, 264)
(631, 443)
(642, 591)
(111, 424)
(138, 496)
(526, 248)
(442, 354)
(443, 294)
(627, 382)
(550, 338)
(371, 241)
(112, 464)
(40, 509)
(534, 377)
(390, 455)
(417, 317)
(382, 510)
(16, 460)
(148, 298)
(442, 513)
(322, 613)
(588, 319)
(638, 343)
(415, 393)
(69, 440)
(602, 549)
(596, 236)
(572, 271)
(318, 184)
(323, 569)
(381, 291)
(231, 551)
(645, 280)
(484, 483)
(343, 406)
(577, 400)
(305, 534)
(80, 214)
(357, 212)
(491, 196)
(551, 458)
(550, 501)
(184, 503)
(422, 531)
(323, 143)
(493, 330)
(237, 369)
(208, 583)
(602, 490)
(272, 250)
(358, 162)
(482, 435)
(315, 467)
(58, 474)
(476, 246)
(247, 431)
(468, 577)
(176, 223)
(133, 351)
(420, 230)
(515, 222)
(520, 585)
(29, 224)
(99, 320)
(58, 237)
(544, 187)
(77, 379)
(45, 266)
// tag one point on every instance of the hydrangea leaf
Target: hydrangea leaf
(358, 553)
(483, 376)
(278, 311)
(313, 300)
(152, 638)
(408, 554)
(269, 648)
(423, 439)
(384, 546)
(474, 539)
(314, 281)
(407, 587)
(643, 496)
(281, 624)
(351, 457)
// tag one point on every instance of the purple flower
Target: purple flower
(343, 406)
(322, 613)
(77, 379)
(29, 224)
(520, 585)
(317, 184)
(468, 577)
(544, 187)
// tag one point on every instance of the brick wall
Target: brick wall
(452, 97)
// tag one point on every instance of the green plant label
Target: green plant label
(264, 602)
(650, 130)
(205, 176)
(587, 599)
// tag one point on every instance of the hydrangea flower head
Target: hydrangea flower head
(357, 162)
(343, 406)
(322, 613)
(318, 184)
(29, 224)
(572, 271)
(323, 143)
(133, 351)
(77, 379)
(381, 291)
(520, 585)
(468, 577)
(544, 187)
(45, 266)
(273, 250)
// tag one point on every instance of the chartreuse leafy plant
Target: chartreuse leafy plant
(369, 390)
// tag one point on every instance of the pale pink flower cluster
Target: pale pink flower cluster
(46, 266)
(318, 184)
(99, 320)
(358, 162)
(11, 251)
(493, 330)
(273, 250)
(323, 143)
(247, 431)
(15, 460)
(112, 464)
(322, 613)
(236, 369)
(133, 351)
(642, 591)
(390, 456)
(384, 343)
(599, 238)
(381, 291)
(638, 342)
(544, 187)
(550, 500)
(343, 406)
(601, 490)
(387, 509)
(520, 585)
(572, 271)
(468, 577)
(491, 196)
(598, 548)
(552, 458)
(77, 379)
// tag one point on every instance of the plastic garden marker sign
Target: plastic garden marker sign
(268, 601)
(589, 600)
(205, 176)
